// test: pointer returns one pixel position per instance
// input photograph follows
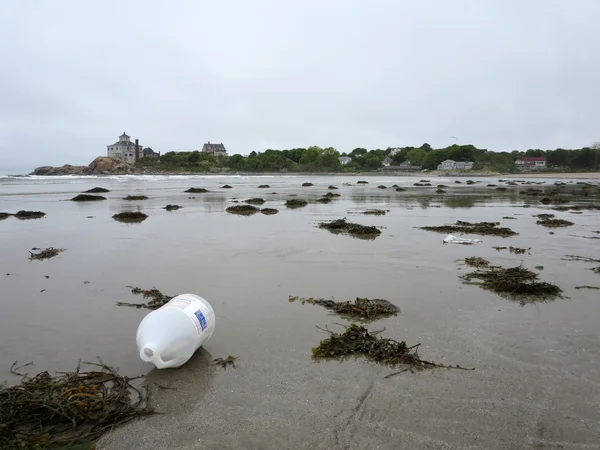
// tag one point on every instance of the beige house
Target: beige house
(214, 149)
(124, 149)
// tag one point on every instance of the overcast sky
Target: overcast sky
(500, 74)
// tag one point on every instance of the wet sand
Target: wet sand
(537, 377)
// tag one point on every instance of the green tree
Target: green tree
(415, 156)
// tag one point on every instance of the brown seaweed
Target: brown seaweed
(194, 190)
(157, 298)
(255, 201)
(515, 283)
(362, 309)
(46, 253)
(242, 210)
(295, 203)
(269, 211)
(87, 198)
(353, 229)
(96, 190)
(480, 228)
(69, 408)
(130, 217)
(357, 340)
(135, 197)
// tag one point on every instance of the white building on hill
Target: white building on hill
(124, 149)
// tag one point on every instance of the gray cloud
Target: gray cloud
(500, 74)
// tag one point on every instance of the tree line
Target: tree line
(318, 159)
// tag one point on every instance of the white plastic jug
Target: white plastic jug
(169, 336)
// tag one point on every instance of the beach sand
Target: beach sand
(536, 382)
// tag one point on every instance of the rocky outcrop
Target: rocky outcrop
(107, 165)
(102, 165)
(67, 169)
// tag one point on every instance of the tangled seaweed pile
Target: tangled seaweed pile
(47, 253)
(481, 228)
(255, 201)
(295, 203)
(224, 362)
(172, 207)
(477, 261)
(242, 210)
(515, 250)
(516, 283)
(87, 198)
(194, 190)
(130, 217)
(96, 190)
(269, 211)
(353, 229)
(157, 298)
(23, 215)
(553, 223)
(361, 309)
(357, 340)
(375, 212)
(136, 197)
(69, 408)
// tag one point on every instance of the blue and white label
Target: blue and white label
(201, 319)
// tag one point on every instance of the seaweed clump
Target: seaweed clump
(481, 228)
(516, 283)
(331, 195)
(324, 199)
(332, 187)
(353, 229)
(24, 215)
(360, 309)
(194, 190)
(78, 407)
(136, 197)
(226, 186)
(307, 184)
(264, 186)
(357, 340)
(87, 198)
(46, 253)
(477, 261)
(295, 203)
(375, 212)
(554, 223)
(157, 298)
(172, 207)
(224, 362)
(96, 190)
(269, 211)
(130, 217)
(242, 210)
(255, 201)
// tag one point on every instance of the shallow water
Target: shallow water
(534, 363)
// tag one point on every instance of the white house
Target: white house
(531, 163)
(450, 164)
(387, 162)
(344, 160)
(124, 149)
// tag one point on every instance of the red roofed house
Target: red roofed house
(531, 163)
